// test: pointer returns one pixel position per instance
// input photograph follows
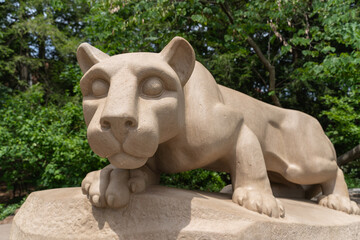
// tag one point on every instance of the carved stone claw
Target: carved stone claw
(107, 187)
(263, 203)
(340, 203)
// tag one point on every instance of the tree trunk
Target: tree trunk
(349, 156)
(41, 43)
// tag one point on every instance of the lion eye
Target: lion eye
(152, 87)
(100, 88)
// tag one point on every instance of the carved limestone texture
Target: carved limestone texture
(163, 112)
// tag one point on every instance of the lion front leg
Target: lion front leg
(112, 187)
(249, 177)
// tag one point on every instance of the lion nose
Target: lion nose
(108, 122)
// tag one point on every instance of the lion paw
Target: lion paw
(111, 187)
(260, 202)
(340, 203)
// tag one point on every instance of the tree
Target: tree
(43, 145)
(37, 39)
(41, 127)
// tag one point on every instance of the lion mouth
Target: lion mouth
(126, 161)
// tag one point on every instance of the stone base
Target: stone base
(168, 213)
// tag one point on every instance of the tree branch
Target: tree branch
(349, 156)
(278, 34)
(223, 7)
(266, 62)
(307, 30)
(269, 67)
(261, 78)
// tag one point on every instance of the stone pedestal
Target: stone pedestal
(167, 213)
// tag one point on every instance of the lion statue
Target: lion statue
(152, 113)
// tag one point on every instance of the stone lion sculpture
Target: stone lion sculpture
(150, 113)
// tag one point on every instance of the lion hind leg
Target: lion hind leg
(320, 171)
(331, 179)
(336, 195)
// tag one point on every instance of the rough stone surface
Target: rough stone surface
(167, 213)
(5, 231)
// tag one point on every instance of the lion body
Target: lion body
(150, 113)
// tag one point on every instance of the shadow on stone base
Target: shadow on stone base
(168, 213)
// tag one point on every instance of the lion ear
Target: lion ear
(179, 54)
(88, 56)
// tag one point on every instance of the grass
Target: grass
(9, 209)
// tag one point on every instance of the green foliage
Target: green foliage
(9, 209)
(128, 26)
(344, 127)
(42, 144)
(36, 37)
(197, 180)
(344, 114)
(352, 177)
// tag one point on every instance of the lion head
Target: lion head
(133, 102)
